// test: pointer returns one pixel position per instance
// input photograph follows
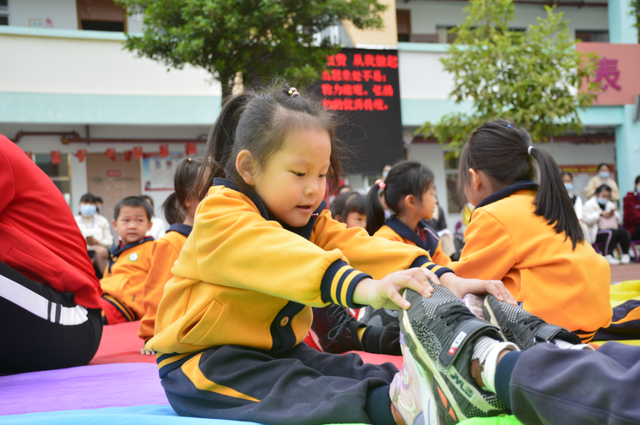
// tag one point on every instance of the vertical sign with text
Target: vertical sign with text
(363, 87)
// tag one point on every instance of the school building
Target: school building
(99, 119)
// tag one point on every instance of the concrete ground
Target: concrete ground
(623, 272)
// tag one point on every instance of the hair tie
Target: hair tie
(529, 150)
(381, 184)
(509, 126)
(293, 92)
(189, 159)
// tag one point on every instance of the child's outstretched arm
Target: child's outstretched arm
(386, 291)
(461, 286)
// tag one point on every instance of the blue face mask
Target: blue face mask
(604, 175)
(569, 186)
(88, 210)
(602, 201)
(385, 174)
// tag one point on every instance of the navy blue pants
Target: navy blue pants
(546, 385)
(297, 387)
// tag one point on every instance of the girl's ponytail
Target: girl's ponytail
(374, 210)
(505, 154)
(219, 147)
(552, 200)
(172, 211)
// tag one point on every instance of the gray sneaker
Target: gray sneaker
(440, 333)
(523, 328)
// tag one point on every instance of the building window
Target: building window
(4, 12)
(444, 36)
(451, 174)
(101, 15)
(60, 174)
(592, 36)
(403, 19)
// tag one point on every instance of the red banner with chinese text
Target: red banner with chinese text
(137, 152)
(111, 153)
(80, 154)
(191, 149)
(56, 157)
(164, 151)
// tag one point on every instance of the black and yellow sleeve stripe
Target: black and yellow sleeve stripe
(424, 262)
(339, 282)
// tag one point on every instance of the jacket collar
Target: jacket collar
(507, 191)
(304, 231)
(406, 233)
(116, 251)
(183, 229)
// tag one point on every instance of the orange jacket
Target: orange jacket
(508, 242)
(164, 253)
(396, 230)
(124, 277)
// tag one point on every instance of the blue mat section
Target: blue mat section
(134, 415)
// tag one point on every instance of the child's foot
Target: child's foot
(411, 392)
(441, 333)
(523, 328)
(336, 331)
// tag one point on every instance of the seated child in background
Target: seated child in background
(409, 192)
(122, 284)
(354, 212)
(338, 205)
(179, 209)
(528, 234)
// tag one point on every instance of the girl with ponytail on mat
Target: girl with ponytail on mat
(262, 253)
(527, 234)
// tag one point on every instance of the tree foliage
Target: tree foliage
(534, 78)
(635, 11)
(259, 38)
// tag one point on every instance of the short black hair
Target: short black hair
(567, 173)
(637, 179)
(355, 203)
(88, 198)
(603, 188)
(604, 164)
(135, 202)
(337, 206)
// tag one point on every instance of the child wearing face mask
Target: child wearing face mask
(605, 176)
(602, 221)
(95, 229)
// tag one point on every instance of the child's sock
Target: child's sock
(486, 351)
(564, 345)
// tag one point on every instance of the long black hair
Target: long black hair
(259, 122)
(500, 149)
(404, 178)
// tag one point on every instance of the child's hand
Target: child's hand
(461, 287)
(146, 352)
(385, 292)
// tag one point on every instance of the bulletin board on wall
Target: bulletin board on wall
(157, 172)
(362, 86)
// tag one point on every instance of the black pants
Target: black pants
(611, 238)
(42, 329)
(636, 234)
(301, 386)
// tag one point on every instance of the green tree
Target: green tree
(635, 6)
(258, 38)
(535, 78)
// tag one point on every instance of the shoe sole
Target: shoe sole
(446, 402)
(428, 403)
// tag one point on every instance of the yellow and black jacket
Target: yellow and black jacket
(395, 230)
(244, 279)
(123, 281)
(507, 241)
(164, 253)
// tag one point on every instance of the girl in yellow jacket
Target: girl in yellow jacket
(410, 193)
(528, 234)
(179, 210)
(262, 253)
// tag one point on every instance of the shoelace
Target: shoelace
(343, 317)
(532, 322)
(456, 314)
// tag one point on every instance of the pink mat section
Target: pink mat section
(120, 344)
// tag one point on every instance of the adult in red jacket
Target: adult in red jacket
(631, 210)
(50, 313)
